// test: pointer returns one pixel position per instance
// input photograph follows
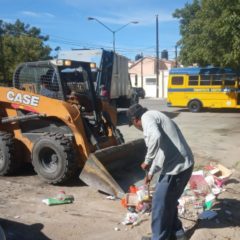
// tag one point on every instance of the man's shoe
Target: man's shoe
(146, 238)
(181, 236)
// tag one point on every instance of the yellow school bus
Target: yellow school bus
(198, 88)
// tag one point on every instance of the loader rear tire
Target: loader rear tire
(7, 164)
(53, 158)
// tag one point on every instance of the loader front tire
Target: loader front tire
(53, 158)
(7, 164)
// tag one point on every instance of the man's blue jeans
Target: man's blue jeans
(169, 188)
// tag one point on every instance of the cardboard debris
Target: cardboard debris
(131, 199)
(136, 196)
(221, 174)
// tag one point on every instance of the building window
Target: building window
(177, 80)
(193, 80)
(151, 81)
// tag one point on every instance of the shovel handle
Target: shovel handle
(148, 184)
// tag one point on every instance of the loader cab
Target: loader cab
(75, 79)
(77, 85)
(40, 78)
(59, 79)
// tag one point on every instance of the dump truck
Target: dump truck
(52, 118)
(111, 76)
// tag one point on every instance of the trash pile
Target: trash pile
(196, 201)
(202, 190)
(138, 202)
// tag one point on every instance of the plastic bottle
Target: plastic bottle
(61, 198)
(61, 195)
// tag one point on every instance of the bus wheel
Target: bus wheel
(195, 106)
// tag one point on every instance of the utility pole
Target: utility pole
(157, 56)
(176, 56)
(141, 69)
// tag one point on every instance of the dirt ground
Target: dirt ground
(213, 136)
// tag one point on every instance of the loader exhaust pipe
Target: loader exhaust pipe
(114, 169)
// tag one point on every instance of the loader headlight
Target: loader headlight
(61, 62)
(93, 65)
(67, 63)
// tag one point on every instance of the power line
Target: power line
(70, 41)
(150, 50)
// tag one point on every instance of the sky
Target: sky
(67, 25)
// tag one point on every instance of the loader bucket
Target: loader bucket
(112, 170)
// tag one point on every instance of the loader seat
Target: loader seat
(46, 88)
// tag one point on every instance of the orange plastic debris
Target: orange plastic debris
(133, 189)
(124, 202)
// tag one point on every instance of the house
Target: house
(143, 74)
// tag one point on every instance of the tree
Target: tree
(2, 62)
(20, 43)
(210, 31)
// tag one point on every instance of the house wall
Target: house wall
(143, 74)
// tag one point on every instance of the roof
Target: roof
(198, 70)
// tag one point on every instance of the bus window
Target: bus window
(205, 80)
(217, 79)
(230, 80)
(177, 80)
(193, 80)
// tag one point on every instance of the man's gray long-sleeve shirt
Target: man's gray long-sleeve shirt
(167, 149)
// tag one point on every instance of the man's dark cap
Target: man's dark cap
(135, 111)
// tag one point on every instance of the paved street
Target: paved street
(212, 134)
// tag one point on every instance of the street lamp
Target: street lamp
(112, 31)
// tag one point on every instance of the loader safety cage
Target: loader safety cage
(198, 88)
(47, 75)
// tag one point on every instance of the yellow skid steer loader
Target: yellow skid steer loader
(52, 118)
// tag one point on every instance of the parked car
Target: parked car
(140, 92)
